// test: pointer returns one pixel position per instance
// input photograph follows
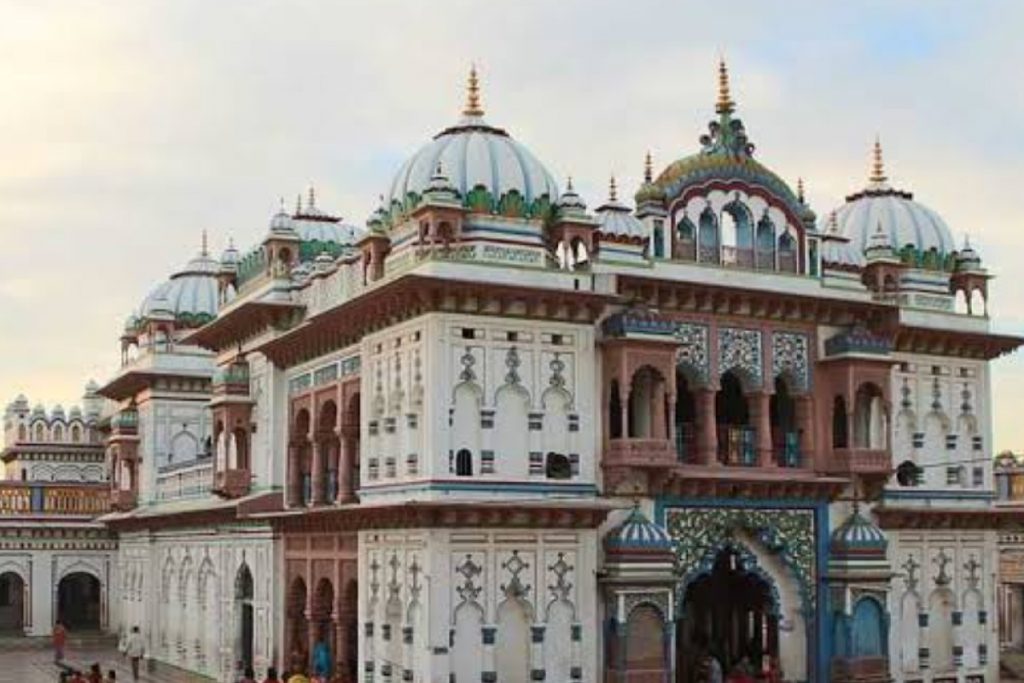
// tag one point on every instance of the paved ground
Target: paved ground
(27, 662)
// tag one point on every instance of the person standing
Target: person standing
(135, 648)
(60, 639)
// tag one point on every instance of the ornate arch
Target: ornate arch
(748, 565)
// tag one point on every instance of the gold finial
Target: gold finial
(204, 251)
(877, 167)
(725, 105)
(648, 171)
(612, 190)
(473, 107)
(800, 190)
(568, 184)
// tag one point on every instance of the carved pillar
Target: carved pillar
(760, 416)
(294, 493)
(671, 418)
(317, 497)
(346, 465)
(658, 413)
(805, 429)
(707, 436)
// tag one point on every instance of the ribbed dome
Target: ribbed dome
(638, 535)
(858, 536)
(616, 219)
(190, 295)
(905, 221)
(474, 154)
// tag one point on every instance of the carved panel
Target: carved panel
(693, 349)
(739, 350)
(790, 358)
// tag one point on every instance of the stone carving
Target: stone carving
(936, 395)
(557, 366)
(965, 406)
(468, 361)
(790, 357)
(905, 402)
(469, 591)
(562, 587)
(972, 566)
(415, 587)
(374, 580)
(911, 566)
(515, 588)
(699, 534)
(942, 560)
(393, 585)
(693, 349)
(740, 350)
(658, 599)
(512, 362)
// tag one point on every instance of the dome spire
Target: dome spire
(877, 167)
(800, 190)
(473, 106)
(312, 197)
(725, 105)
(648, 170)
(612, 190)
(203, 250)
(298, 204)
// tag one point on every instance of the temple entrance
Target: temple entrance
(735, 609)
(243, 604)
(78, 602)
(12, 604)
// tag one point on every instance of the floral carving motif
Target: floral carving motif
(468, 361)
(515, 565)
(469, 591)
(562, 587)
(789, 357)
(557, 366)
(693, 348)
(790, 533)
(740, 350)
(512, 362)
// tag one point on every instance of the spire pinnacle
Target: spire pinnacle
(725, 105)
(298, 204)
(568, 184)
(613, 194)
(203, 250)
(312, 197)
(800, 190)
(877, 167)
(473, 106)
(648, 170)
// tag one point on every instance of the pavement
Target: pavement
(30, 661)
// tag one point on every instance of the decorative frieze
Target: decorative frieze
(739, 350)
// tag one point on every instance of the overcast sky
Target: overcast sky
(126, 128)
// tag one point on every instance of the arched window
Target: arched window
(735, 436)
(840, 438)
(785, 440)
(868, 418)
(557, 466)
(708, 239)
(614, 411)
(646, 399)
(58, 433)
(40, 433)
(765, 255)
(76, 434)
(737, 235)
(464, 463)
(686, 240)
(868, 629)
(685, 418)
(579, 253)
(787, 253)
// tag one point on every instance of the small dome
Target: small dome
(967, 258)
(570, 204)
(649, 191)
(189, 296)
(229, 258)
(75, 413)
(615, 218)
(58, 413)
(302, 271)
(637, 535)
(39, 411)
(281, 223)
(92, 387)
(858, 536)
(474, 154)
(323, 263)
(131, 323)
(905, 221)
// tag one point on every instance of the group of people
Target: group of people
(134, 648)
(709, 665)
(322, 669)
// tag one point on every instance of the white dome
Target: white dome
(894, 212)
(615, 218)
(474, 153)
(326, 231)
(190, 294)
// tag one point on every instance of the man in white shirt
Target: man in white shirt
(135, 648)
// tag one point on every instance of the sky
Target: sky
(129, 127)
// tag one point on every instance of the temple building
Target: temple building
(496, 435)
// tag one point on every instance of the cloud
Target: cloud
(131, 126)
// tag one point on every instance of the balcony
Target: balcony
(19, 499)
(862, 461)
(787, 450)
(123, 500)
(231, 483)
(640, 453)
(737, 446)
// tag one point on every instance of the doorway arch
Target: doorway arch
(78, 602)
(736, 607)
(244, 635)
(12, 603)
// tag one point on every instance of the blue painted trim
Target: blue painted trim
(469, 229)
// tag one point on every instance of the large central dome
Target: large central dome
(473, 155)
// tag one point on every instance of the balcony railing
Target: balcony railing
(749, 258)
(18, 499)
(864, 461)
(640, 453)
(686, 442)
(787, 450)
(736, 446)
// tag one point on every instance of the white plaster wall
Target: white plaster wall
(924, 547)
